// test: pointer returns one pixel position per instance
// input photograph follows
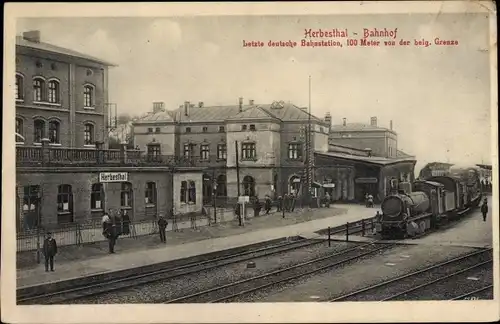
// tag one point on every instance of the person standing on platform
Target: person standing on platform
(125, 223)
(484, 209)
(49, 251)
(268, 204)
(162, 226)
(105, 219)
(279, 203)
(327, 200)
(286, 203)
(110, 233)
(292, 201)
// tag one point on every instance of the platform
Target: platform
(126, 260)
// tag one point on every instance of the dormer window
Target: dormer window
(252, 128)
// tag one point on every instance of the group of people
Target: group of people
(115, 224)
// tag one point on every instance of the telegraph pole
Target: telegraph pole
(238, 181)
(309, 151)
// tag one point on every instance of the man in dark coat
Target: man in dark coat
(162, 226)
(286, 203)
(111, 234)
(280, 203)
(49, 251)
(484, 210)
(268, 205)
(125, 223)
(257, 207)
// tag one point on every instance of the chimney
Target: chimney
(32, 36)
(390, 125)
(158, 106)
(200, 104)
(373, 121)
(186, 108)
(344, 121)
(250, 102)
(241, 104)
(328, 118)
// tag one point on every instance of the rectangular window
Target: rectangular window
(252, 128)
(88, 134)
(96, 196)
(222, 152)
(188, 129)
(154, 150)
(221, 129)
(187, 150)
(31, 202)
(205, 152)
(88, 96)
(150, 130)
(39, 131)
(126, 195)
(295, 151)
(243, 127)
(38, 90)
(157, 130)
(151, 193)
(184, 191)
(248, 151)
(64, 199)
(205, 129)
(191, 192)
(19, 127)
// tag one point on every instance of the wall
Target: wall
(72, 75)
(180, 207)
(266, 138)
(395, 170)
(81, 183)
(263, 178)
(212, 137)
(375, 140)
(166, 137)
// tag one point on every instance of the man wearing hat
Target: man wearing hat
(49, 251)
(162, 225)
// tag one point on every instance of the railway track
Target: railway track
(166, 273)
(423, 283)
(155, 274)
(236, 289)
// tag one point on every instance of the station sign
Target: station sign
(243, 199)
(113, 177)
(329, 185)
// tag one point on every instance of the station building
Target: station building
(271, 150)
(65, 173)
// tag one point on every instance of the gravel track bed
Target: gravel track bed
(257, 296)
(163, 290)
(404, 284)
(353, 274)
(454, 286)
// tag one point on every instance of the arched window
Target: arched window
(221, 186)
(97, 196)
(31, 204)
(191, 192)
(19, 87)
(38, 89)
(150, 193)
(126, 194)
(249, 186)
(295, 184)
(53, 94)
(88, 96)
(54, 131)
(64, 204)
(19, 127)
(88, 134)
(39, 131)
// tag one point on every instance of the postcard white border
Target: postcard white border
(470, 311)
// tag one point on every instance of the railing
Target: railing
(50, 156)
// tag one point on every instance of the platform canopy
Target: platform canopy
(485, 166)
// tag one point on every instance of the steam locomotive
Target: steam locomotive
(411, 210)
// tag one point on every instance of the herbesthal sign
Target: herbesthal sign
(113, 176)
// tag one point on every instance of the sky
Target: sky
(438, 97)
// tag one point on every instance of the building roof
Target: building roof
(255, 112)
(485, 166)
(20, 41)
(366, 159)
(288, 112)
(161, 116)
(401, 154)
(358, 127)
(438, 165)
(333, 147)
